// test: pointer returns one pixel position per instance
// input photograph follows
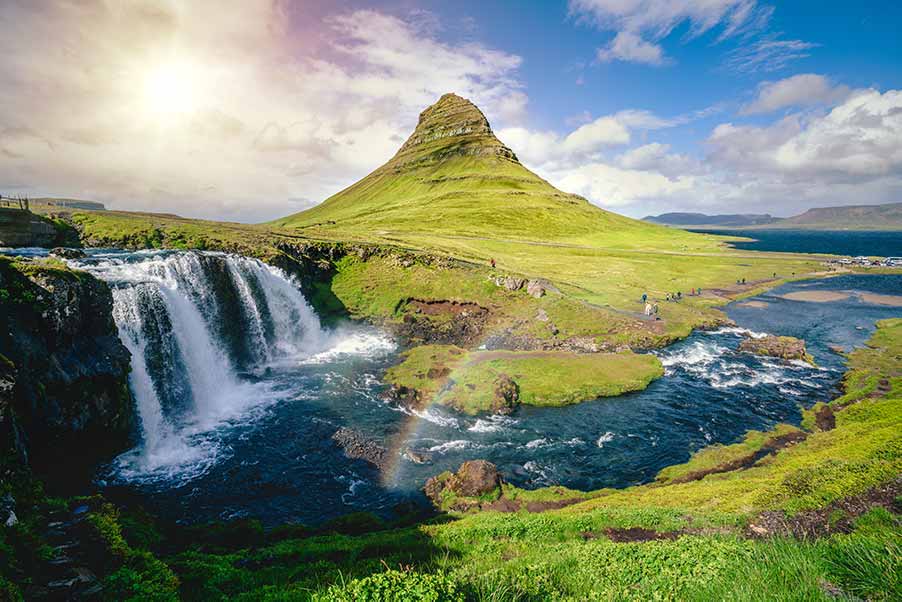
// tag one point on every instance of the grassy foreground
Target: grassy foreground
(816, 519)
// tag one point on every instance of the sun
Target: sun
(169, 89)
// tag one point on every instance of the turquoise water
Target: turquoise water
(835, 242)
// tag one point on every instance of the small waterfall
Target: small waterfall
(194, 322)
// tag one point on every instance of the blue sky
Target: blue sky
(267, 108)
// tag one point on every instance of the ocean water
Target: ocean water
(835, 242)
(241, 426)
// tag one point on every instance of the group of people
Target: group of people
(651, 309)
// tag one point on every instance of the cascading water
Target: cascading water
(199, 326)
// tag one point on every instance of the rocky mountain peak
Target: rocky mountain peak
(451, 126)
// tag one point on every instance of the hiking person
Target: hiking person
(647, 309)
(655, 309)
(493, 262)
(644, 297)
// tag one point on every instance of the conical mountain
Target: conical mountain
(453, 177)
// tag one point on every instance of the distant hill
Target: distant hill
(851, 217)
(854, 217)
(69, 203)
(700, 219)
(453, 177)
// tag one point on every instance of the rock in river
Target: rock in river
(358, 447)
(787, 348)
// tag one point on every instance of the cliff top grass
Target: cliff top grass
(468, 381)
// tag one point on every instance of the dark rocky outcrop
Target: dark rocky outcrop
(64, 395)
(22, 228)
(824, 418)
(787, 348)
(438, 321)
(359, 447)
(506, 395)
(67, 253)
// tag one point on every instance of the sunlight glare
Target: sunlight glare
(169, 90)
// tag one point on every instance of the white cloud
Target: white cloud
(850, 154)
(587, 140)
(612, 186)
(768, 54)
(185, 107)
(629, 47)
(805, 89)
(859, 138)
(640, 24)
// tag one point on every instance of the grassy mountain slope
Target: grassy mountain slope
(454, 177)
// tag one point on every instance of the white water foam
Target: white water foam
(606, 438)
(492, 424)
(536, 443)
(344, 344)
(456, 445)
(741, 332)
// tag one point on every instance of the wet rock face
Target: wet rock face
(64, 394)
(358, 447)
(787, 348)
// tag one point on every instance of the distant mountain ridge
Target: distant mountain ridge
(701, 219)
(851, 217)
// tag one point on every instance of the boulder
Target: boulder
(67, 253)
(475, 478)
(787, 348)
(511, 283)
(824, 418)
(535, 288)
(506, 395)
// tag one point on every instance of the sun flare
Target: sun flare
(170, 89)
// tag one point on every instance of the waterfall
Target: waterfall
(198, 326)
